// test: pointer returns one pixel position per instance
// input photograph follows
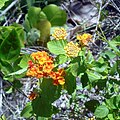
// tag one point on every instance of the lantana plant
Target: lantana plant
(48, 70)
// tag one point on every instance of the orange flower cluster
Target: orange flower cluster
(58, 77)
(42, 65)
(84, 39)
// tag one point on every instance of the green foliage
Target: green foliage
(101, 111)
(49, 93)
(93, 72)
(55, 15)
(42, 20)
(57, 47)
(92, 105)
(2, 117)
(70, 83)
(10, 47)
(27, 112)
(2, 3)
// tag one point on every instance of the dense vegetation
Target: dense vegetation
(58, 61)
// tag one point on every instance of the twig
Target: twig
(9, 7)
(19, 17)
(97, 20)
(115, 6)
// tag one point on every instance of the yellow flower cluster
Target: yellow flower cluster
(42, 65)
(72, 49)
(84, 39)
(59, 34)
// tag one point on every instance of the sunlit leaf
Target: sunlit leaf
(27, 111)
(101, 111)
(55, 15)
(57, 46)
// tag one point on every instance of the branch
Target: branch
(9, 7)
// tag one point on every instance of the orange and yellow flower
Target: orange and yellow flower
(58, 77)
(59, 34)
(84, 39)
(42, 65)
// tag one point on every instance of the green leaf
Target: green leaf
(35, 15)
(37, 19)
(32, 36)
(42, 118)
(57, 46)
(5, 67)
(89, 57)
(100, 67)
(27, 112)
(44, 27)
(55, 15)
(24, 61)
(70, 82)
(2, 117)
(17, 84)
(8, 90)
(26, 24)
(30, 3)
(60, 59)
(49, 93)
(116, 40)
(110, 54)
(101, 83)
(2, 3)
(111, 117)
(115, 68)
(114, 102)
(101, 111)
(18, 72)
(92, 105)
(94, 76)
(10, 47)
(113, 46)
(84, 80)
(77, 66)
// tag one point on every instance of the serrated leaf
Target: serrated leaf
(57, 46)
(101, 111)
